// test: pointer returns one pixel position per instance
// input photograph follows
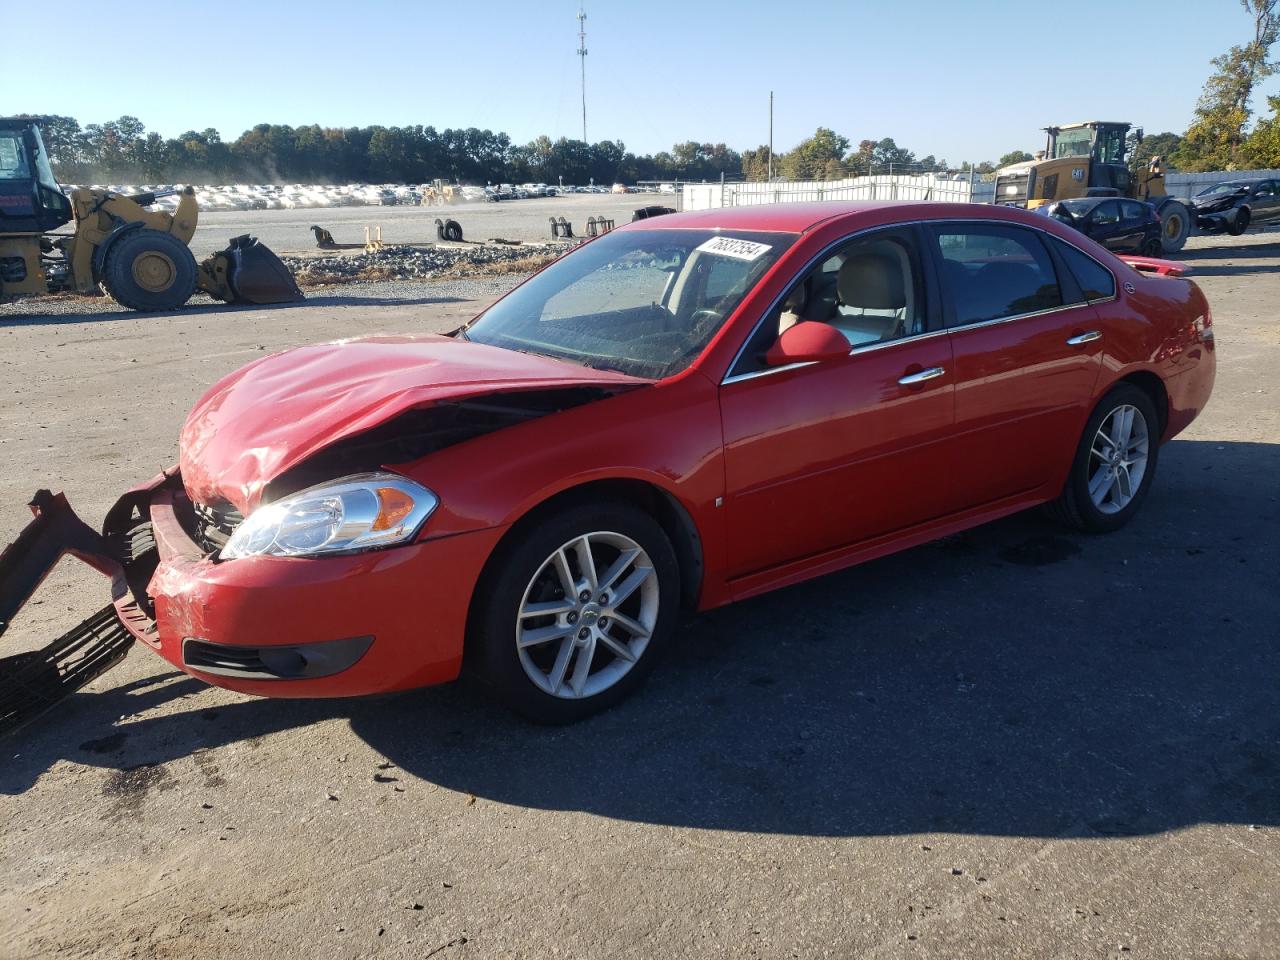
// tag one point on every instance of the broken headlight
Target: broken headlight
(354, 513)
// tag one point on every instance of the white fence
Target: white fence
(708, 196)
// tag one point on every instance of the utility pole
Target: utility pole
(771, 136)
(582, 57)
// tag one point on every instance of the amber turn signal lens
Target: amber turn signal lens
(393, 507)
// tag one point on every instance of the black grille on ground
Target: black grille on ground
(214, 524)
(32, 682)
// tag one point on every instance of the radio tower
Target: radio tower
(582, 57)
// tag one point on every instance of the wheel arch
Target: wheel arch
(1150, 384)
(672, 515)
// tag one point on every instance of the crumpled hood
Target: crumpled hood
(254, 424)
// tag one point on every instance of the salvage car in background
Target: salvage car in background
(1125, 226)
(687, 411)
(1235, 205)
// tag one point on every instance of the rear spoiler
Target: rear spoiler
(1161, 268)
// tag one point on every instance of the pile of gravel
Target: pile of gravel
(421, 263)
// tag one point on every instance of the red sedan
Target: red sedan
(684, 412)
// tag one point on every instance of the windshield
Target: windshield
(1223, 188)
(13, 158)
(1073, 143)
(644, 302)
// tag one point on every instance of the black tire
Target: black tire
(492, 655)
(453, 231)
(1074, 507)
(1153, 247)
(1175, 226)
(173, 271)
(1241, 223)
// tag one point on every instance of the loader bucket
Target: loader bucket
(256, 275)
(34, 681)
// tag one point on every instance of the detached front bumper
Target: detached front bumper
(374, 622)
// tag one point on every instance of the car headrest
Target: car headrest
(871, 281)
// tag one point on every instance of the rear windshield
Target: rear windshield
(644, 302)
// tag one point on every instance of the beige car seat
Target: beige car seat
(875, 297)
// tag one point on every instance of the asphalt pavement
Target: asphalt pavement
(1017, 742)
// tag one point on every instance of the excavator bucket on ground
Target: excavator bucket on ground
(249, 272)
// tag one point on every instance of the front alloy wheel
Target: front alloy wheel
(587, 615)
(573, 610)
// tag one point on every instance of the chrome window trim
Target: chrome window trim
(816, 258)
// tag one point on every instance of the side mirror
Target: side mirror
(807, 342)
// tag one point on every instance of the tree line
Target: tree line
(123, 151)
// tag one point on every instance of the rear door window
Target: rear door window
(1096, 281)
(993, 272)
(1133, 211)
(1106, 213)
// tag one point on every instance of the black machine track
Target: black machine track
(32, 682)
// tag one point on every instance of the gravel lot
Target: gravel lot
(289, 231)
(1014, 743)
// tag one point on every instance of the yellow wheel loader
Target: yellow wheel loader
(1088, 160)
(139, 256)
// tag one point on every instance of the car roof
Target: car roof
(802, 217)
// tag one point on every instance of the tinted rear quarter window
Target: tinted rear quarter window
(992, 271)
(1095, 280)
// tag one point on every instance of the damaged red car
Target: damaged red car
(684, 412)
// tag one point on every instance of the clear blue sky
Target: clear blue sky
(955, 79)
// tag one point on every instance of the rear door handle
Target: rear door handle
(1089, 337)
(911, 379)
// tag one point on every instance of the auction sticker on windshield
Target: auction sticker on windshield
(738, 249)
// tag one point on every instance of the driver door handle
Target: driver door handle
(1082, 338)
(911, 379)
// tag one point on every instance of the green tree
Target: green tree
(1014, 156)
(755, 163)
(1152, 145)
(1217, 131)
(809, 158)
(1262, 150)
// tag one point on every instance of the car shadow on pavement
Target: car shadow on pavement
(1248, 259)
(205, 309)
(1015, 680)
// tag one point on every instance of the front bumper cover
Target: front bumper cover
(373, 622)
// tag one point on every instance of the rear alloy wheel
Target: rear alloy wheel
(575, 612)
(149, 270)
(1240, 224)
(1115, 463)
(1153, 247)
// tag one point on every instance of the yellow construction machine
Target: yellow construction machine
(1088, 160)
(139, 256)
